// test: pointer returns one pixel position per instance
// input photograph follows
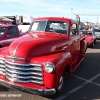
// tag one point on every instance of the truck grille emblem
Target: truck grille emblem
(16, 58)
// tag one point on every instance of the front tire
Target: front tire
(61, 84)
(92, 45)
(95, 42)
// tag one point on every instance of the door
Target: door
(75, 48)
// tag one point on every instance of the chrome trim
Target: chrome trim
(23, 73)
(12, 63)
(31, 90)
(2, 72)
(23, 69)
(2, 59)
(65, 47)
(22, 77)
(2, 66)
(22, 81)
(51, 65)
(60, 83)
(16, 58)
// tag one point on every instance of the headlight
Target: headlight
(49, 67)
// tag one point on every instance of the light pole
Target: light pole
(71, 13)
(97, 19)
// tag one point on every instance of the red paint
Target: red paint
(90, 38)
(41, 47)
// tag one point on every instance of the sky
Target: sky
(86, 9)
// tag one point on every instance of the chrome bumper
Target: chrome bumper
(30, 90)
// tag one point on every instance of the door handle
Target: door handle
(65, 47)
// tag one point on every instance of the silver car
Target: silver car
(97, 33)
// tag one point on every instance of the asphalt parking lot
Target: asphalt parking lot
(83, 84)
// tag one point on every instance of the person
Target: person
(86, 27)
(90, 28)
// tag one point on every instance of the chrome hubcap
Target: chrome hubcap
(60, 83)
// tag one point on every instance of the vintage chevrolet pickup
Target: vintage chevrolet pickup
(37, 62)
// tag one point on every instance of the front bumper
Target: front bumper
(30, 90)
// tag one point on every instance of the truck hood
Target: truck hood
(36, 44)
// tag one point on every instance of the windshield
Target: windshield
(49, 26)
(2, 30)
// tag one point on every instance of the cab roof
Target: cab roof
(57, 18)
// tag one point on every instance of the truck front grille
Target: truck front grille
(23, 73)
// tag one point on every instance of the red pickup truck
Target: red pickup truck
(37, 62)
(8, 33)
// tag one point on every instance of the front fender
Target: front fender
(60, 61)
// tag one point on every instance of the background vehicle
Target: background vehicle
(97, 33)
(90, 37)
(22, 22)
(8, 33)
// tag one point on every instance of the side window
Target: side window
(2, 30)
(74, 30)
(12, 31)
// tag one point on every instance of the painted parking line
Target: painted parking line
(80, 86)
(90, 81)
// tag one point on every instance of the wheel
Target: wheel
(92, 45)
(95, 42)
(61, 84)
(82, 60)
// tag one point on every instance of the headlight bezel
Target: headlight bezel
(49, 67)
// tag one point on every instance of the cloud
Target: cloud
(49, 8)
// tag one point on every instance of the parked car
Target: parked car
(8, 33)
(90, 37)
(37, 62)
(97, 33)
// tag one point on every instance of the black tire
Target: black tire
(95, 42)
(92, 45)
(82, 60)
(61, 84)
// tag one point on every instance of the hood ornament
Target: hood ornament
(16, 58)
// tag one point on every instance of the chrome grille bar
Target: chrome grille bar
(24, 81)
(21, 68)
(23, 73)
(23, 77)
